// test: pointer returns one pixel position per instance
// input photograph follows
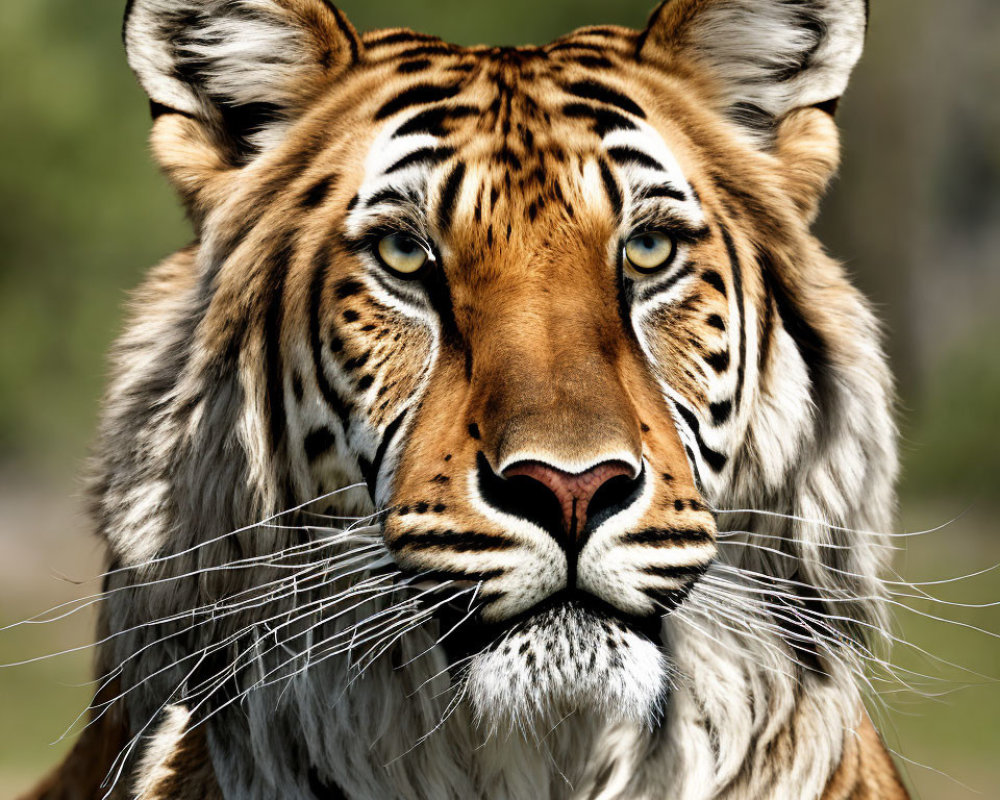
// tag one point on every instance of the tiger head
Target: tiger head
(553, 307)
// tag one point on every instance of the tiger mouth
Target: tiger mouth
(464, 639)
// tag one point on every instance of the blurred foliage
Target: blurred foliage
(915, 215)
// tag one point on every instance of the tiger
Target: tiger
(505, 431)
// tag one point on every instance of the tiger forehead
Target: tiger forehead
(510, 93)
(528, 125)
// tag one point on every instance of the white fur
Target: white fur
(743, 41)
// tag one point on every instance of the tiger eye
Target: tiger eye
(402, 254)
(649, 252)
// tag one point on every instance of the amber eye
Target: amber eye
(402, 254)
(647, 253)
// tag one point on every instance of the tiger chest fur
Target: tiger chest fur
(433, 469)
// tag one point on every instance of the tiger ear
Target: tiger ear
(778, 67)
(241, 69)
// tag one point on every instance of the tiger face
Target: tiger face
(500, 268)
(552, 306)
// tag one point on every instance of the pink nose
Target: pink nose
(574, 492)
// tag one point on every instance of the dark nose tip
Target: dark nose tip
(606, 487)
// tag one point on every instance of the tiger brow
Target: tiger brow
(425, 155)
(390, 195)
(664, 190)
(623, 154)
(592, 90)
(419, 95)
(432, 120)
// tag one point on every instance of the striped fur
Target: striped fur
(277, 360)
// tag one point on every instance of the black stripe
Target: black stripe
(630, 155)
(721, 412)
(694, 468)
(767, 327)
(714, 459)
(555, 48)
(316, 194)
(321, 264)
(348, 287)
(654, 21)
(426, 50)
(449, 196)
(676, 573)
(318, 443)
(667, 285)
(432, 120)
(810, 344)
(602, 32)
(354, 364)
(463, 575)
(277, 276)
(345, 28)
(421, 94)
(718, 361)
(592, 90)
(665, 536)
(383, 447)
(612, 188)
(678, 276)
(458, 541)
(595, 62)
(663, 190)
(738, 289)
(716, 322)
(425, 155)
(399, 37)
(714, 279)
(411, 67)
(605, 120)
(387, 196)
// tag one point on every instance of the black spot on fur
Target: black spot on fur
(318, 443)
(349, 287)
(316, 194)
(714, 279)
(721, 411)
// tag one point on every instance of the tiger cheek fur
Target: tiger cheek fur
(537, 320)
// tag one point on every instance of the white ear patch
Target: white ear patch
(248, 63)
(773, 56)
(149, 42)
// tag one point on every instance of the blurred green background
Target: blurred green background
(915, 215)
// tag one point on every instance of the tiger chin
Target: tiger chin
(504, 432)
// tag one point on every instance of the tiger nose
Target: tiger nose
(580, 496)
